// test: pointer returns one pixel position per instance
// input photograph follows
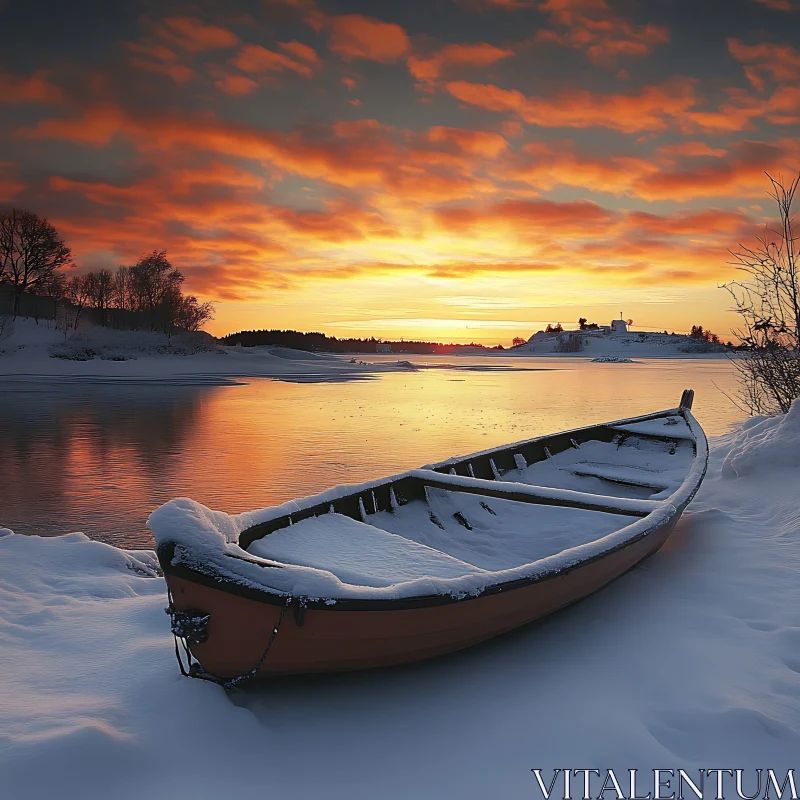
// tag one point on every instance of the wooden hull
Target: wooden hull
(334, 638)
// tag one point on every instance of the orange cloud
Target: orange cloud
(482, 143)
(736, 172)
(350, 83)
(354, 36)
(739, 173)
(701, 223)
(36, 88)
(545, 166)
(527, 218)
(157, 58)
(194, 35)
(479, 54)
(592, 28)
(673, 173)
(693, 149)
(152, 50)
(487, 96)
(236, 85)
(778, 5)
(779, 62)
(178, 72)
(254, 58)
(738, 113)
(219, 228)
(671, 104)
(440, 164)
(357, 154)
(652, 108)
(301, 51)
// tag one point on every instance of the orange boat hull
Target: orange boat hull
(334, 638)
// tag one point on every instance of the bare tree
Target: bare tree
(193, 314)
(767, 300)
(30, 251)
(77, 292)
(100, 290)
(55, 287)
(122, 291)
(153, 280)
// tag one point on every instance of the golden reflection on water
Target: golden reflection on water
(100, 458)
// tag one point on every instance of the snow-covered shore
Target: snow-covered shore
(97, 355)
(691, 661)
(26, 356)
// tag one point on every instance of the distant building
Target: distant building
(619, 326)
(383, 347)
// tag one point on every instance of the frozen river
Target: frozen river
(99, 458)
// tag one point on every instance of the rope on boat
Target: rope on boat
(191, 627)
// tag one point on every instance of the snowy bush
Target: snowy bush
(701, 347)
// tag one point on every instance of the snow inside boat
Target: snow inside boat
(429, 561)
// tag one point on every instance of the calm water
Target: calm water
(99, 458)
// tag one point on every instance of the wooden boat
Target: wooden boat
(429, 561)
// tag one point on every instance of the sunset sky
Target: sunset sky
(453, 170)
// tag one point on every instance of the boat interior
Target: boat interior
(490, 511)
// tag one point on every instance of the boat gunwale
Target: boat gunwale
(666, 513)
(278, 517)
(265, 594)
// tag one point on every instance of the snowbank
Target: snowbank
(689, 661)
(766, 444)
(111, 345)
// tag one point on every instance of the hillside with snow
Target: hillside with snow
(625, 344)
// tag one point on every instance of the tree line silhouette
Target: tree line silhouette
(149, 293)
(319, 342)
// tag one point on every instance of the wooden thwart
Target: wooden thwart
(543, 495)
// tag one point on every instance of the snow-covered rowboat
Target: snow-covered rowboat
(429, 561)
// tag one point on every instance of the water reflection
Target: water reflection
(100, 458)
(81, 458)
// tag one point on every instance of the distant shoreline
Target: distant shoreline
(103, 356)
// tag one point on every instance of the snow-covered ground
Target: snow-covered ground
(618, 346)
(691, 661)
(31, 351)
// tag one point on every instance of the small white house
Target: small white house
(619, 326)
(383, 347)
